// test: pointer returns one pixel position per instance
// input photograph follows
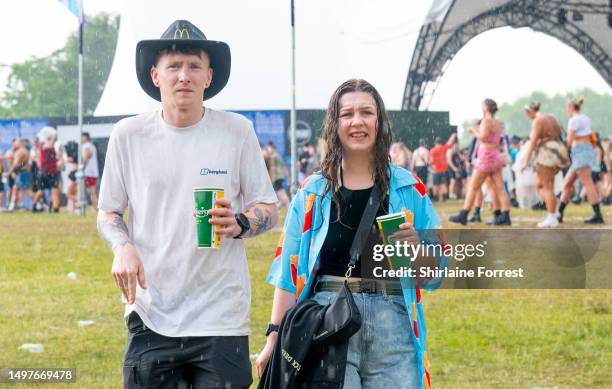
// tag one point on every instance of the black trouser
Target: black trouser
(156, 361)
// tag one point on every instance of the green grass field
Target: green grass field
(476, 338)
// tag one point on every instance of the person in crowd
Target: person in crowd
(90, 169)
(400, 155)
(420, 161)
(440, 166)
(20, 172)
(303, 160)
(579, 138)
(50, 167)
(358, 136)
(458, 175)
(550, 157)
(278, 174)
(489, 164)
(71, 157)
(2, 180)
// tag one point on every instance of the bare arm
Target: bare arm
(283, 301)
(452, 139)
(449, 159)
(571, 135)
(113, 230)
(262, 217)
(127, 267)
(533, 140)
(86, 155)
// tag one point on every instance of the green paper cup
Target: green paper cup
(389, 225)
(205, 201)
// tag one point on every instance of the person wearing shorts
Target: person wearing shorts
(582, 155)
(440, 166)
(90, 169)
(187, 311)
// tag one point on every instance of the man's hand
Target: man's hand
(524, 165)
(127, 268)
(224, 219)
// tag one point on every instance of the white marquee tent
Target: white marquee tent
(335, 40)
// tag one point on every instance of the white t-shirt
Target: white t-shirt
(91, 167)
(580, 124)
(152, 168)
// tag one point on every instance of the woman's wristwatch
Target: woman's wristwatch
(271, 328)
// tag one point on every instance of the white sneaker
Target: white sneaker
(549, 222)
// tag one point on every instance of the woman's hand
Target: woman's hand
(264, 355)
(406, 233)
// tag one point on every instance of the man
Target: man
(420, 161)
(90, 169)
(20, 172)
(440, 166)
(188, 308)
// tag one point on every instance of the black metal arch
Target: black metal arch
(428, 61)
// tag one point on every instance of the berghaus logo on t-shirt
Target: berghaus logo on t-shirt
(207, 171)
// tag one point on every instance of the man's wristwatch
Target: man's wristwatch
(244, 224)
(271, 328)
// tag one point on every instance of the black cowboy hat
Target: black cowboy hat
(182, 33)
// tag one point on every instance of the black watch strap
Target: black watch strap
(271, 328)
(244, 224)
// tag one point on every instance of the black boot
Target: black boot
(560, 212)
(503, 219)
(493, 221)
(475, 217)
(596, 218)
(460, 218)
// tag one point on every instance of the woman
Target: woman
(489, 164)
(579, 136)
(550, 157)
(319, 231)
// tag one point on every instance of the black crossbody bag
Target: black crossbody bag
(342, 318)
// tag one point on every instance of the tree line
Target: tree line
(48, 86)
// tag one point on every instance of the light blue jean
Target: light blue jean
(381, 354)
(583, 155)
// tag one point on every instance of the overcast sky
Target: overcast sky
(502, 64)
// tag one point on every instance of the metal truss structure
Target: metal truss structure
(580, 25)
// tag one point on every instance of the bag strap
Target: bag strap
(367, 219)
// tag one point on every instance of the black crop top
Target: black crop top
(334, 256)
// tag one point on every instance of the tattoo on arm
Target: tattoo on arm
(261, 219)
(113, 230)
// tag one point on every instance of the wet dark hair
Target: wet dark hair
(534, 106)
(332, 162)
(491, 105)
(180, 49)
(439, 140)
(86, 135)
(422, 142)
(576, 104)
